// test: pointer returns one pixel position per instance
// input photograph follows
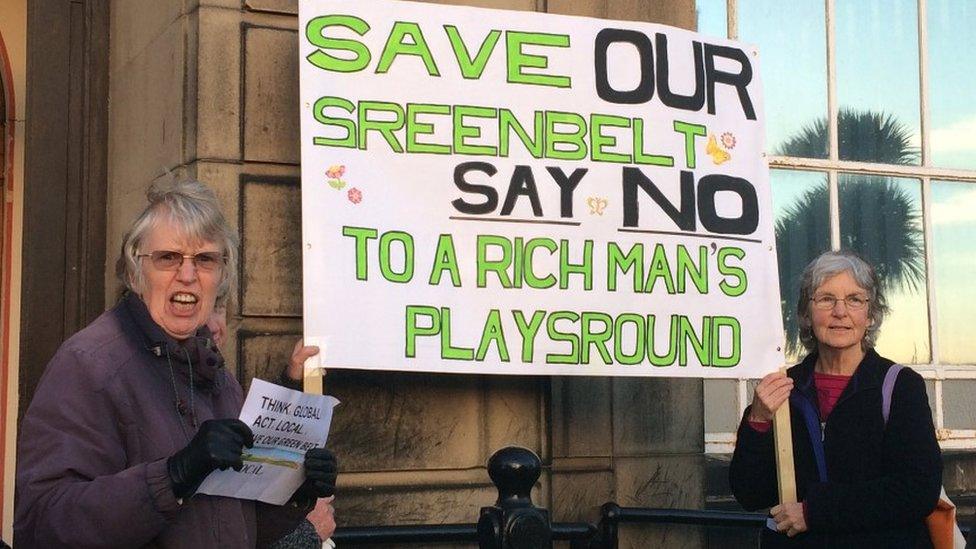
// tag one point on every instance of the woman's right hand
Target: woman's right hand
(771, 393)
(296, 364)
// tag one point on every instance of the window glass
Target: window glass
(801, 212)
(880, 218)
(877, 81)
(959, 411)
(951, 82)
(954, 264)
(793, 64)
(720, 406)
(712, 19)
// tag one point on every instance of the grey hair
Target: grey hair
(833, 263)
(194, 209)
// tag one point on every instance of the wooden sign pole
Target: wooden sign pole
(783, 437)
(312, 382)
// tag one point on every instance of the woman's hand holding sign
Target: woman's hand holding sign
(789, 518)
(771, 393)
(296, 364)
(321, 470)
(218, 444)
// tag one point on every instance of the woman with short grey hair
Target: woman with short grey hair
(137, 409)
(201, 219)
(866, 476)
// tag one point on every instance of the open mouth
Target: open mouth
(183, 300)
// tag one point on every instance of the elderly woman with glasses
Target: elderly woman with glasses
(863, 479)
(135, 410)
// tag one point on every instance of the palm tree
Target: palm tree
(878, 219)
(864, 136)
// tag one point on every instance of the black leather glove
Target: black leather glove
(217, 445)
(321, 470)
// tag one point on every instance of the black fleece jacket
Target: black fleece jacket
(881, 480)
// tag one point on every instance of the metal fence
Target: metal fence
(515, 523)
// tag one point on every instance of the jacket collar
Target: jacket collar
(869, 374)
(197, 354)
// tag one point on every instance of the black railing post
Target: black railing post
(514, 522)
(607, 529)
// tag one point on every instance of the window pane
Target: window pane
(793, 62)
(959, 411)
(712, 19)
(877, 80)
(721, 408)
(951, 82)
(802, 215)
(880, 218)
(954, 262)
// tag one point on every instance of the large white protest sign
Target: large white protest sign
(520, 193)
(285, 424)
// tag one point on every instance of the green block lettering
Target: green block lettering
(687, 336)
(497, 266)
(445, 259)
(531, 279)
(596, 337)
(640, 156)
(449, 351)
(493, 333)
(668, 358)
(318, 111)
(463, 132)
(362, 235)
(573, 357)
(384, 127)
(518, 60)
(415, 128)
(315, 34)
(688, 269)
(415, 330)
(528, 332)
(599, 141)
(690, 131)
(617, 261)
(585, 268)
(740, 282)
(386, 264)
(396, 46)
(621, 356)
(471, 68)
(659, 270)
(735, 334)
(575, 140)
(507, 123)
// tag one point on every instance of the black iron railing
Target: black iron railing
(515, 523)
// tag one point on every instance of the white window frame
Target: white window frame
(832, 166)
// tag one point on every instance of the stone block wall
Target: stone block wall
(209, 89)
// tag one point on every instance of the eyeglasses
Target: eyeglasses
(168, 260)
(828, 302)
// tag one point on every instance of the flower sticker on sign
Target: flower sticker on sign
(355, 195)
(335, 173)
